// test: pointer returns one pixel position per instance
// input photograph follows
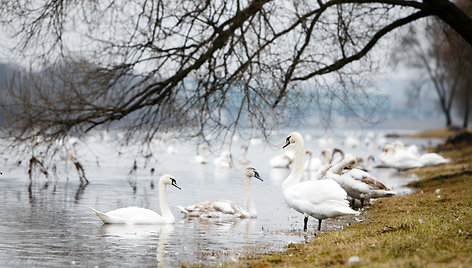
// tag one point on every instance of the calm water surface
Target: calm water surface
(49, 223)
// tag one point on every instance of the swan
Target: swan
(243, 160)
(431, 159)
(225, 208)
(224, 160)
(135, 215)
(313, 163)
(283, 160)
(399, 159)
(172, 149)
(320, 199)
(200, 158)
(357, 183)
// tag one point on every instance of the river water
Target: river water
(48, 222)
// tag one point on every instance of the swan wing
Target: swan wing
(214, 209)
(133, 215)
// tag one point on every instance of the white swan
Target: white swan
(224, 160)
(320, 199)
(399, 159)
(225, 208)
(357, 183)
(432, 159)
(200, 158)
(243, 160)
(135, 215)
(283, 160)
(312, 163)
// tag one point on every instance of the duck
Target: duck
(320, 199)
(357, 183)
(136, 215)
(226, 209)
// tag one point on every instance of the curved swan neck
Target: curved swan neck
(249, 202)
(337, 168)
(297, 170)
(166, 213)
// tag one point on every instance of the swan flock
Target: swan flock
(320, 188)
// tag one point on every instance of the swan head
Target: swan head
(167, 179)
(308, 152)
(350, 161)
(252, 172)
(293, 137)
(388, 149)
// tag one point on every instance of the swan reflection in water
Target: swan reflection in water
(129, 235)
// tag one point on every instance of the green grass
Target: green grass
(424, 229)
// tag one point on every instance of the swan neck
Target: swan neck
(337, 168)
(166, 213)
(249, 202)
(297, 170)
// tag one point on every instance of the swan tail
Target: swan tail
(102, 216)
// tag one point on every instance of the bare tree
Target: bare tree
(443, 60)
(205, 66)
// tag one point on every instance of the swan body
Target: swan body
(243, 160)
(136, 215)
(224, 160)
(320, 199)
(200, 158)
(399, 159)
(226, 209)
(357, 183)
(432, 159)
(283, 160)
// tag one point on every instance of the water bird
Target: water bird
(136, 215)
(226, 208)
(357, 183)
(320, 199)
(224, 160)
(243, 159)
(200, 158)
(283, 160)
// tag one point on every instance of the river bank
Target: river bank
(431, 227)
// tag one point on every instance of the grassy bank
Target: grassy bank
(430, 228)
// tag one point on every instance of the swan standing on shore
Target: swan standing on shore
(320, 199)
(225, 208)
(357, 183)
(135, 215)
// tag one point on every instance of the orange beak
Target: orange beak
(287, 143)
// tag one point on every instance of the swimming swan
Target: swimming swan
(320, 199)
(225, 208)
(135, 215)
(357, 183)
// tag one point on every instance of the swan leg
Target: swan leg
(305, 224)
(362, 202)
(353, 201)
(319, 225)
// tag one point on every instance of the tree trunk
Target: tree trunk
(465, 123)
(452, 15)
